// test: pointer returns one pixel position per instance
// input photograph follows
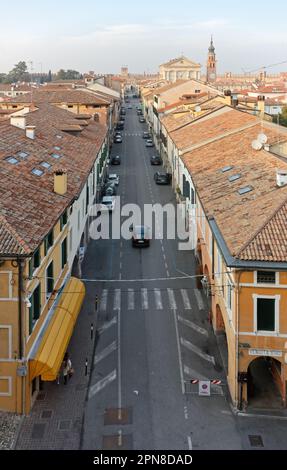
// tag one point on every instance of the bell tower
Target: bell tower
(211, 64)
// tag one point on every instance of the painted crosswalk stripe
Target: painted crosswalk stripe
(171, 298)
(107, 325)
(102, 383)
(131, 299)
(192, 325)
(105, 352)
(117, 299)
(157, 296)
(197, 351)
(104, 298)
(185, 299)
(144, 299)
(199, 299)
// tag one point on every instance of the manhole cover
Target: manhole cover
(64, 424)
(118, 416)
(38, 431)
(118, 442)
(255, 441)
(46, 414)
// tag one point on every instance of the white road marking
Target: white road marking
(158, 302)
(185, 412)
(197, 351)
(131, 299)
(107, 325)
(171, 298)
(199, 299)
(117, 299)
(167, 273)
(105, 352)
(102, 383)
(189, 442)
(185, 299)
(104, 298)
(119, 368)
(144, 299)
(192, 325)
(166, 266)
(179, 354)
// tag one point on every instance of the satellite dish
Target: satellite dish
(256, 145)
(197, 109)
(262, 138)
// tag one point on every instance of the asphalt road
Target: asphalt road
(153, 336)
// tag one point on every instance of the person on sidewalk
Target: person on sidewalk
(67, 368)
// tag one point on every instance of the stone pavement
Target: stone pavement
(55, 421)
(9, 425)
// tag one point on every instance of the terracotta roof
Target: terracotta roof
(164, 88)
(70, 96)
(28, 202)
(252, 224)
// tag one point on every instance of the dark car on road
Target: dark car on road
(141, 235)
(118, 139)
(116, 160)
(155, 160)
(141, 119)
(162, 178)
(149, 143)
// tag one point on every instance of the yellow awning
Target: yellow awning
(50, 354)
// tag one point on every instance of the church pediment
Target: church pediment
(181, 62)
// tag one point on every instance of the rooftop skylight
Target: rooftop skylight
(45, 164)
(59, 136)
(234, 177)
(245, 190)
(22, 154)
(226, 168)
(37, 172)
(57, 147)
(55, 155)
(12, 160)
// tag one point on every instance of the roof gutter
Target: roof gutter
(233, 262)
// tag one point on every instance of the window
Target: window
(70, 105)
(266, 277)
(55, 155)
(12, 160)
(218, 267)
(63, 219)
(45, 165)
(226, 168)
(229, 295)
(34, 262)
(50, 279)
(49, 241)
(64, 252)
(234, 177)
(22, 154)
(265, 314)
(245, 190)
(87, 196)
(71, 239)
(35, 309)
(37, 172)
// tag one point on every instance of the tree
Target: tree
(68, 75)
(282, 117)
(49, 79)
(19, 72)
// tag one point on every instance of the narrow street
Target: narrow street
(153, 335)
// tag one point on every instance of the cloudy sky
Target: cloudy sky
(103, 36)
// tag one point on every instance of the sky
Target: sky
(103, 36)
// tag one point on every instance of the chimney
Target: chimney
(18, 121)
(60, 181)
(261, 104)
(228, 97)
(281, 178)
(30, 132)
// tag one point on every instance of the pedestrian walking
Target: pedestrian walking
(68, 370)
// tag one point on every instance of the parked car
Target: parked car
(140, 235)
(118, 139)
(116, 160)
(120, 126)
(146, 135)
(141, 119)
(155, 160)
(113, 178)
(149, 143)
(110, 189)
(162, 178)
(109, 202)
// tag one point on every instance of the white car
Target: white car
(113, 178)
(109, 202)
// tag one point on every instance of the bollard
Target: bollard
(86, 367)
(92, 330)
(96, 303)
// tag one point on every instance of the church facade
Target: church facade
(179, 69)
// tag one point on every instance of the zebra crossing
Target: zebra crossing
(145, 299)
(131, 134)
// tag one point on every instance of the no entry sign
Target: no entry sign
(204, 388)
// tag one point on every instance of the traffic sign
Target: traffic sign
(204, 388)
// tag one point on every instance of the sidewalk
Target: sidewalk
(55, 422)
